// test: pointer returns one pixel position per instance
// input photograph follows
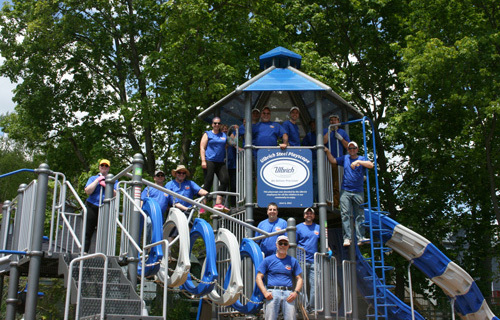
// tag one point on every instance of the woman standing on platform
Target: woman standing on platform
(212, 153)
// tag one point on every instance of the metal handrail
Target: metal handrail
(347, 270)
(70, 277)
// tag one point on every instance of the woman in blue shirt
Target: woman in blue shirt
(212, 153)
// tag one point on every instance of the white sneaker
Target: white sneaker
(347, 242)
(363, 241)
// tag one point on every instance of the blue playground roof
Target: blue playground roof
(280, 86)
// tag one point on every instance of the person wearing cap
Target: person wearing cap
(291, 127)
(184, 187)
(94, 188)
(266, 132)
(338, 141)
(163, 199)
(213, 153)
(352, 191)
(271, 224)
(280, 292)
(308, 238)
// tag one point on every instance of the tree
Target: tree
(449, 128)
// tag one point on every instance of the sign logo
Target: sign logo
(284, 173)
(288, 267)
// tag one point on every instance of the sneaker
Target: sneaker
(347, 242)
(219, 207)
(363, 241)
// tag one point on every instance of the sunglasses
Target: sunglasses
(215, 122)
(181, 172)
(104, 165)
(160, 175)
(266, 112)
(283, 243)
(352, 148)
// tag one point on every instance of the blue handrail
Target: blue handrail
(17, 171)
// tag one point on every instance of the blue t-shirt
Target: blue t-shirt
(187, 188)
(308, 238)
(280, 272)
(268, 245)
(292, 129)
(334, 142)
(163, 199)
(216, 146)
(94, 197)
(353, 178)
(310, 141)
(267, 133)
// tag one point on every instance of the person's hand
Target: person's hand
(326, 150)
(292, 296)
(203, 164)
(100, 178)
(338, 136)
(268, 295)
(283, 146)
(355, 164)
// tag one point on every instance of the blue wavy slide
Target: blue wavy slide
(453, 280)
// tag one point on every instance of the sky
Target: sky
(6, 87)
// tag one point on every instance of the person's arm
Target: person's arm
(285, 141)
(330, 157)
(260, 283)
(364, 163)
(91, 187)
(297, 289)
(203, 148)
(202, 192)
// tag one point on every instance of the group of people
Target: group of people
(217, 150)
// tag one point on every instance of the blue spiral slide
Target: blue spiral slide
(452, 279)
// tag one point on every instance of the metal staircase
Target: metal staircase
(121, 300)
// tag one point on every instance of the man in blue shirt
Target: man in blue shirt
(162, 198)
(308, 238)
(272, 224)
(184, 187)
(336, 144)
(280, 269)
(266, 133)
(352, 193)
(291, 127)
(95, 190)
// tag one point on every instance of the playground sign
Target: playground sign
(285, 177)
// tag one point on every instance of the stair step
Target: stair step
(96, 274)
(92, 306)
(113, 290)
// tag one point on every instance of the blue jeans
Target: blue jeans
(310, 283)
(279, 300)
(349, 202)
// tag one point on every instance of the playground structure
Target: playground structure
(98, 287)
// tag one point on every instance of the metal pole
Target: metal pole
(11, 301)
(5, 225)
(104, 215)
(36, 253)
(291, 230)
(248, 181)
(354, 276)
(411, 291)
(322, 200)
(135, 218)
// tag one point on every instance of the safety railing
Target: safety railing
(7, 225)
(236, 228)
(348, 268)
(67, 228)
(323, 261)
(301, 259)
(27, 218)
